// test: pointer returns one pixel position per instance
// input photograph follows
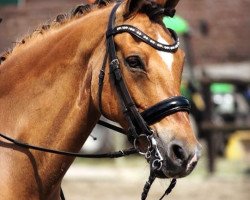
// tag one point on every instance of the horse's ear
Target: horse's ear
(171, 4)
(132, 6)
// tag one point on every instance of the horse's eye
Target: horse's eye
(135, 62)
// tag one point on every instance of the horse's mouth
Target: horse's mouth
(172, 159)
(169, 170)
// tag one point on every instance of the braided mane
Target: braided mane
(61, 19)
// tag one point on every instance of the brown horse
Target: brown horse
(49, 95)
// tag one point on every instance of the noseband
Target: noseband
(139, 123)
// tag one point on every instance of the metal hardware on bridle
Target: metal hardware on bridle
(146, 153)
(157, 162)
(152, 150)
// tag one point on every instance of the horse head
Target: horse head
(53, 89)
(151, 75)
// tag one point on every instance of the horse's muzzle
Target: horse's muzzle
(178, 160)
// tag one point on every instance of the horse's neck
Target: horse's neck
(42, 83)
(45, 87)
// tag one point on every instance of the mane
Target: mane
(154, 11)
(60, 20)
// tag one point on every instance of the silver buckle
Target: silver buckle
(157, 163)
(152, 145)
(114, 62)
(146, 153)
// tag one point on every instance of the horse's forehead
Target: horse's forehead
(155, 31)
(167, 57)
(142, 22)
(152, 29)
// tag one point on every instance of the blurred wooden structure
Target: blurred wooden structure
(211, 129)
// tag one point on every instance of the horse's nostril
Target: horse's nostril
(181, 158)
(178, 152)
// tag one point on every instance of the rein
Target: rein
(139, 123)
(116, 154)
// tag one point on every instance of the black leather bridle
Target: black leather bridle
(138, 123)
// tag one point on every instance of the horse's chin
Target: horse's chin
(164, 174)
(160, 174)
(167, 172)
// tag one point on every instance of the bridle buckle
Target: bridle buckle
(157, 162)
(138, 141)
(114, 64)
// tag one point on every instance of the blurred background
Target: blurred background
(215, 36)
